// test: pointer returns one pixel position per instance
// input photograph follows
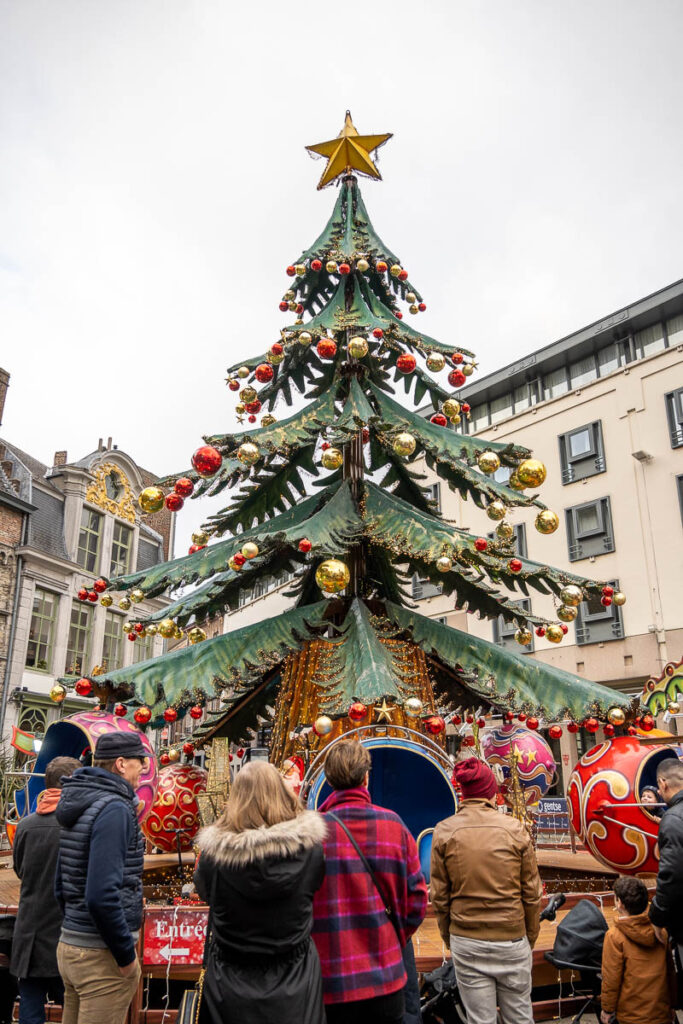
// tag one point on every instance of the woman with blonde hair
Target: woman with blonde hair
(260, 865)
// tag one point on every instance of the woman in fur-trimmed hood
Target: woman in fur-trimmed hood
(260, 865)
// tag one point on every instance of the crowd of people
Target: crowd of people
(311, 913)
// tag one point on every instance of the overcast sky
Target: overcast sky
(154, 185)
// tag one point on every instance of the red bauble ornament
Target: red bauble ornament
(300, 308)
(609, 731)
(608, 591)
(555, 732)
(481, 544)
(326, 348)
(540, 631)
(120, 710)
(573, 727)
(164, 759)
(532, 723)
(632, 731)
(176, 806)
(170, 715)
(253, 407)
(325, 445)
(251, 418)
(100, 585)
(481, 723)
(239, 559)
(381, 267)
(605, 601)
(403, 276)
(173, 502)
(184, 487)
(344, 269)
(515, 565)
(240, 752)
(305, 545)
(439, 419)
(434, 724)
(508, 716)
(92, 596)
(468, 741)
(378, 332)
(406, 363)
(132, 637)
(422, 307)
(591, 725)
(316, 265)
(263, 373)
(291, 271)
(207, 460)
(456, 719)
(234, 385)
(196, 712)
(647, 723)
(276, 349)
(284, 306)
(456, 378)
(365, 435)
(82, 594)
(398, 315)
(469, 718)
(357, 711)
(188, 749)
(142, 715)
(83, 687)
(466, 407)
(138, 627)
(521, 717)
(195, 547)
(457, 357)
(564, 627)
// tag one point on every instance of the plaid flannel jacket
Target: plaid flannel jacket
(358, 948)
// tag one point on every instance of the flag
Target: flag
(22, 741)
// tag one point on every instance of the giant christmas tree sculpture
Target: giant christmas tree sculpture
(332, 494)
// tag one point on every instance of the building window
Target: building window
(89, 540)
(504, 632)
(502, 475)
(112, 646)
(434, 491)
(608, 360)
(479, 417)
(583, 372)
(674, 413)
(422, 588)
(589, 529)
(674, 331)
(521, 398)
(143, 649)
(501, 408)
(649, 341)
(120, 549)
(78, 646)
(555, 383)
(596, 624)
(41, 631)
(519, 540)
(582, 453)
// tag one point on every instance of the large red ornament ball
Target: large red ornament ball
(283, 306)
(170, 715)
(536, 764)
(239, 559)
(188, 749)
(184, 486)
(326, 348)
(422, 307)
(540, 631)
(555, 732)
(316, 265)
(100, 585)
(456, 378)
(83, 687)
(439, 419)
(263, 373)
(175, 807)
(377, 332)
(434, 724)
(120, 710)
(196, 712)
(291, 271)
(532, 723)
(605, 601)
(253, 407)
(406, 362)
(403, 275)
(508, 716)
(573, 727)
(481, 544)
(234, 385)
(357, 711)
(647, 723)
(251, 418)
(92, 596)
(564, 627)
(276, 349)
(305, 545)
(82, 594)
(381, 267)
(174, 502)
(142, 715)
(458, 357)
(609, 731)
(344, 269)
(591, 725)
(608, 591)
(164, 760)
(398, 315)
(207, 460)
(132, 637)
(514, 565)
(604, 795)
(365, 435)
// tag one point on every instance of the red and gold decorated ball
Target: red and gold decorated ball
(536, 764)
(83, 687)
(456, 378)
(184, 486)
(406, 362)
(305, 545)
(143, 714)
(263, 373)
(196, 712)
(170, 715)
(326, 348)
(357, 711)
(604, 795)
(174, 502)
(188, 749)
(175, 807)
(100, 585)
(207, 460)
(439, 419)
(434, 724)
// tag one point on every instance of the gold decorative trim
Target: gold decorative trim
(97, 492)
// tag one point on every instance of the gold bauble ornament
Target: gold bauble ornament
(514, 482)
(571, 595)
(243, 372)
(305, 338)
(358, 347)
(468, 369)
(618, 598)
(142, 634)
(58, 693)
(289, 295)
(196, 635)
(450, 407)
(567, 612)
(235, 566)
(151, 500)
(673, 707)
(546, 521)
(178, 633)
(200, 538)
(496, 510)
(455, 420)
(505, 531)
(239, 409)
(248, 453)
(124, 604)
(292, 305)
(106, 600)
(250, 550)
(173, 755)
(248, 394)
(137, 595)
(300, 269)
(554, 633)
(268, 420)
(151, 629)
(531, 472)
(332, 576)
(404, 444)
(411, 297)
(323, 725)
(332, 458)
(362, 265)
(167, 628)
(414, 308)
(127, 627)
(488, 463)
(444, 564)
(331, 266)
(395, 270)
(413, 707)
(523, 636)
(275, 358)
(616, 716)
(436, 363)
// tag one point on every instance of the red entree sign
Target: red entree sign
(173, 935)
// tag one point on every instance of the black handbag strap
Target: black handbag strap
(366, 864)
(209, 923)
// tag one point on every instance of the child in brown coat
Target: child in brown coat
(635, 965)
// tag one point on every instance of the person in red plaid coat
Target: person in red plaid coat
(360, 949)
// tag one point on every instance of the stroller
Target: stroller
(578, 947)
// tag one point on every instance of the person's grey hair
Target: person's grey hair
(671, 770)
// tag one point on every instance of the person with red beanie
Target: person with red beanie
(486, 893)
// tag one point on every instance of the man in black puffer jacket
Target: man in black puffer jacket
(99, 882)
(666, 909)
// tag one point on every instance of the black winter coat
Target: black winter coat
(263, 966)
(666, 909)
(39, 918)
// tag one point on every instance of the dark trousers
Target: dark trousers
(34, 993)
(382, 1010)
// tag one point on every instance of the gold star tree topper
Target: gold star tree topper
(349, 152)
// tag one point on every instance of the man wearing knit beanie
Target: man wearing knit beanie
(486, 893)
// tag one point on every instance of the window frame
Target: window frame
(504, 633)
(89, 532)
(602, 616)
(117, 619)
(146, 644)
(52, 622)
(591, 463)
(118, 568)
(87, 611)
(576, 540)
(674, 415)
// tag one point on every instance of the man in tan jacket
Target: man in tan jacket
(486, 893)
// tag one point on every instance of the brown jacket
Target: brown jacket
(484, 878)
(635, 973)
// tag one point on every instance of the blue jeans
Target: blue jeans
(33, 994)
